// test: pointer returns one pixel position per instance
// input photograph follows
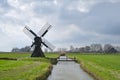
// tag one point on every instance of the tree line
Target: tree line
(93, 48)
(24, 49)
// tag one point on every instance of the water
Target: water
(68, 70)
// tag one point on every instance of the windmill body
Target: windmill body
(39, 40)
(37, 51)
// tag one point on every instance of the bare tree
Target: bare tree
(109, 49)
(96, 48)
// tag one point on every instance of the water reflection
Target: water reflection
(68, 70)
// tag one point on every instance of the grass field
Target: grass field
(103, 67)
(24, 67)
(22, 55)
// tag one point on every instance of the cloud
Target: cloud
(76, 22)
(103, 18)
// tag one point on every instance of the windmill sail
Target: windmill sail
(48, 44)
(44, 30)
(29, 33)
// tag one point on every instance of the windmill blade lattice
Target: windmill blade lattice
(28, 33)
(44, 30)
(49, 45)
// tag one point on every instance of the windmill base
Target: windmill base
(37, 53)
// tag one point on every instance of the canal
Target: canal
(66, 69)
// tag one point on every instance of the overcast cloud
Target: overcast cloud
(75, 22)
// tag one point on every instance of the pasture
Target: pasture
(101, 66)
(24, 67)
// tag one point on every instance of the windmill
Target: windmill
(39, 40)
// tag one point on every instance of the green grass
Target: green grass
(22, 70)
(22, 55)
(104, 67)
(25, 67)
(37, 72)
(52, 55)
(14, 55)
(10, 64)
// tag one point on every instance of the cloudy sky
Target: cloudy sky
(75, 22)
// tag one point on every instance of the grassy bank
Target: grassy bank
(22, 55)
(102, 67)
(25, 67)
